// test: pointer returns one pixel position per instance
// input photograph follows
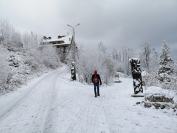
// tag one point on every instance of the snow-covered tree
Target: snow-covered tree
(126, 55)
(4, 69)
(30, 40)
(6, 30)
(105, 63)
(154, 61)
(166, 70)
(98, 59)
(9, 37)
(145, 56)
(153, 68)
(21, 55)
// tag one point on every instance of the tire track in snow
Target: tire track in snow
(39, 112)
(66, 106)
(17, 102)
(56, 108)
(50, 113)
(47, 114)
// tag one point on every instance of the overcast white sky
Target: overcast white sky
(115, 22)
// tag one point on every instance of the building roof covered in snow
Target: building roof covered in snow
(58, 41)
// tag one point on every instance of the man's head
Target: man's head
(95, 72)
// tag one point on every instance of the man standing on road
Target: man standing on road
(96, 80)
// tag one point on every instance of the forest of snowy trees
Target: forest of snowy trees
(158, 66)
(22, 55)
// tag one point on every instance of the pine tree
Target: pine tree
(166, 69)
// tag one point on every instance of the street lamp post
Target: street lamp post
(74, 43)
(73, 28)
(73, 64)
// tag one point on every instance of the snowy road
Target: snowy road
(54, 104)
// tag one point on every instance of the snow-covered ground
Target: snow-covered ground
(54, 104)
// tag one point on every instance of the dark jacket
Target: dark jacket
(96, 79)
